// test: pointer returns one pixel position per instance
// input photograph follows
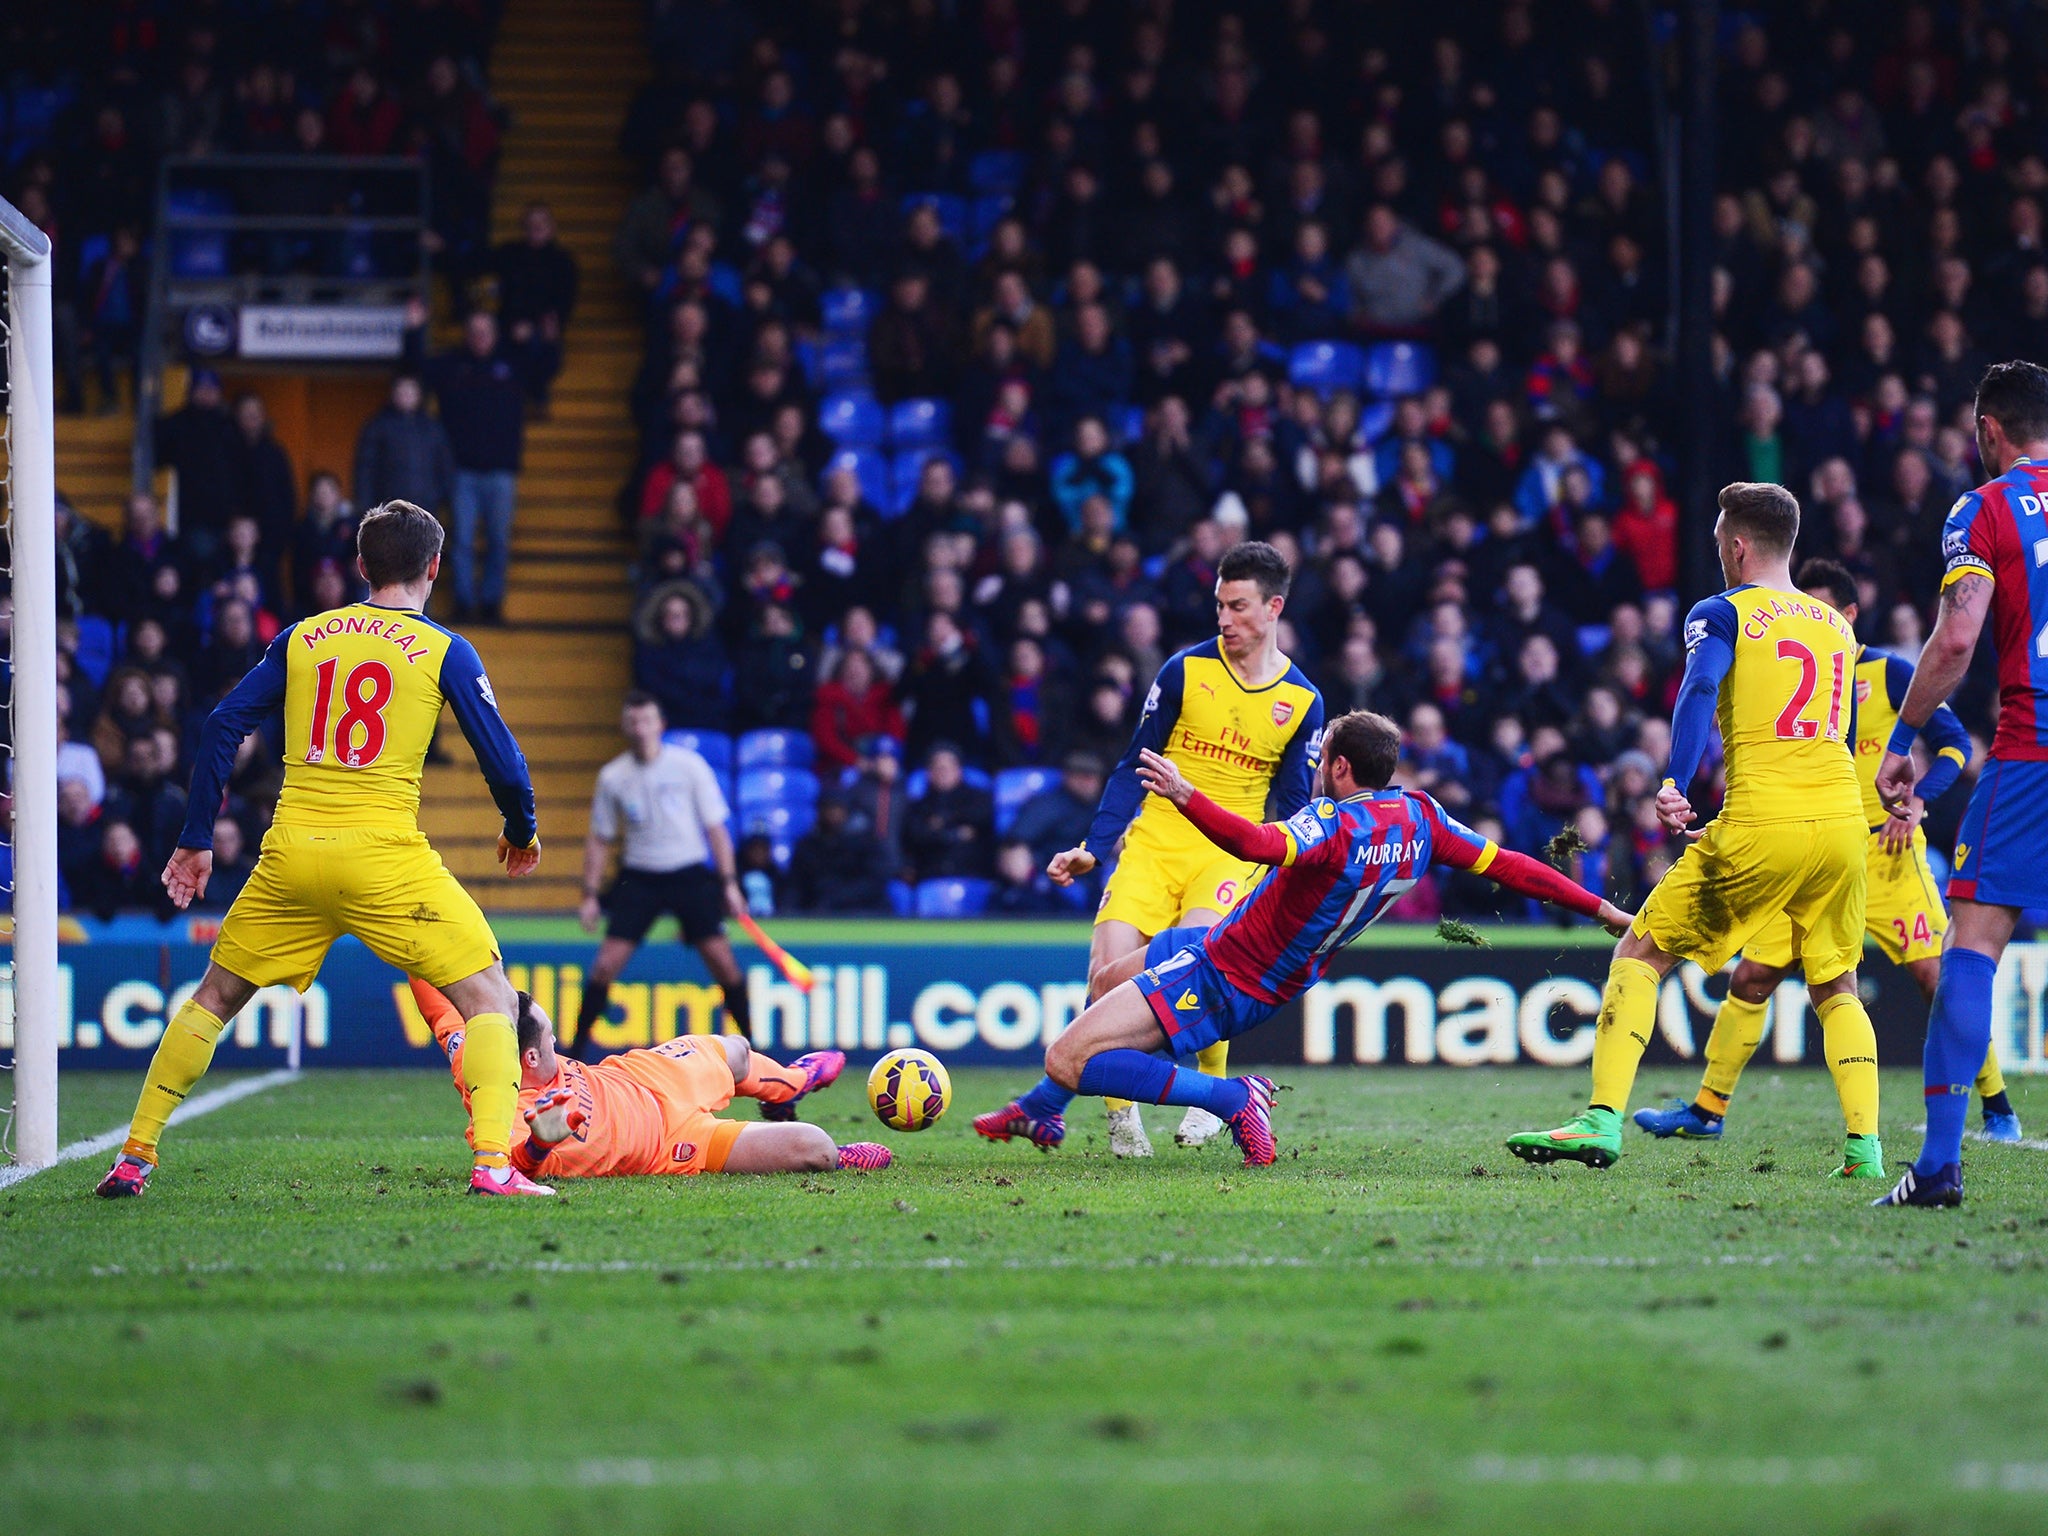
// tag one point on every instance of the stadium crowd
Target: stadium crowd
(977, 333)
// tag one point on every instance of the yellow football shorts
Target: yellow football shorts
(388, 888)
(1158, 883)
(1737, 878)
(1903, 912)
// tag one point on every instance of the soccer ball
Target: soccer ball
(909, 1090)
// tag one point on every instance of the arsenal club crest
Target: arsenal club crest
(1282, 712)
(1862, 690)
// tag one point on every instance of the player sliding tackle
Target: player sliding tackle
(1777, 667)
(1904, 916)
(1337, 864)
(654, 1110)
(361, 688)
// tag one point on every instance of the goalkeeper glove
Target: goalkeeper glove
(554, 1118)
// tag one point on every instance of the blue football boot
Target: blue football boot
(1681, 1119)
(1943, 1187)
(2005, 1127)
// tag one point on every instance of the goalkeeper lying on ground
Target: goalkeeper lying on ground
(655, 1110)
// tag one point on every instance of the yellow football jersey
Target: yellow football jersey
(1238, 745)
(1786, 704)
(1881, 684)
(362, 687)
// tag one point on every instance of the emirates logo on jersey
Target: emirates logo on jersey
(1282, 712)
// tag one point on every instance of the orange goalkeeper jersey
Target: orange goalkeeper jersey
(647, 1111)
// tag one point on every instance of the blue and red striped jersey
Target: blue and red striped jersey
(2000, 530)
(1346, 862)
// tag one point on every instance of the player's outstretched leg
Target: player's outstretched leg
(2001, 1120)
(1198, 1127)
(1039, 1117)
(1628, 1012)
(779, 1087)
(182, 1057)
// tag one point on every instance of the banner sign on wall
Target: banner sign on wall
(997, 1005)
(343, 332)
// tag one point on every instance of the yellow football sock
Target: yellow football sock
(1851, 1048)
(181, 1059)
(1214, 1059)
(1738, 1027)
(1990, 1081)
(1628, 1012)
(490, 1071)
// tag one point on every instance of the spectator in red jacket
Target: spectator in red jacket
(1646, 526)
(854, 704)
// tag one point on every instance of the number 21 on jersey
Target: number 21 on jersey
(359, 733)
(1791, 724)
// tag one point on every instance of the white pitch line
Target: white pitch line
(191, 1109)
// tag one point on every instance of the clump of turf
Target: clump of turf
(1451, 931)
(1559, 849)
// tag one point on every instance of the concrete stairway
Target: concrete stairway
(564, 657)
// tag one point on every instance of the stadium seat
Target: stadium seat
(1014, 786)
(1131, 425)
(919, 424)
(95, 648)
(852, 420)
(775, 749)
(782, 822)
(1399, 368)
(952, 898)
(847, 311)
(983, 215)
(715, 747)
(902, 899)
(996, 170)
(840, 364)
(777, 786)
(1376, 420)
(870, 467)
(918, 781)
(1326, 366)
(725, 282)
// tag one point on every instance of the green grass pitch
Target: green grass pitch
(307, 1327)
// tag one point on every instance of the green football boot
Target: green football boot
(1862, 1158)
(1592, 1137)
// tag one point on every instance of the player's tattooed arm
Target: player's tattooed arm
(1965, 602)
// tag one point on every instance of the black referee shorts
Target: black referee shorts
(639, 898)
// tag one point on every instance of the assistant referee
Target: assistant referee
(665, 803)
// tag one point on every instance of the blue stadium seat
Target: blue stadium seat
(95, 648)
(919, 781)
(1131, 425)
(715, 747)
(870, 467)
(996, 170)
(725, 282)
(1325, 366)
(775, 749)
(1376, 420)
(902, 899)
(782, 822)
(952, 898)
(983, 215)
(1399, 368)
(777, 786)
(835, 363)
(951, 209)
(918, 424)
(847, 311)
(852, 420)
(1014, 786)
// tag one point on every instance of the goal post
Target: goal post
(28, 500)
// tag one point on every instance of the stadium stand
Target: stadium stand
(971, 347)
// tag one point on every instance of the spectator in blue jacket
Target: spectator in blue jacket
(1093, 468)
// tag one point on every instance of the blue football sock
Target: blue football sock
(1958, 1033)
(1046, 1100)
(1151, 1079)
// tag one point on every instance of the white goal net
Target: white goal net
(28, 727)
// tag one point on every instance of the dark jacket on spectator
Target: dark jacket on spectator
(951, 833)
(202, 445)
(843, 871)
(406, 454)
(483, 404)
